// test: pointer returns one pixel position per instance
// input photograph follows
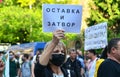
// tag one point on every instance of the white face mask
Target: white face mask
(11, 57)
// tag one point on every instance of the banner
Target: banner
(61, 16)
(96, 36)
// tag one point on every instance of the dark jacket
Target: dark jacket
(45, 71)
(73, 66)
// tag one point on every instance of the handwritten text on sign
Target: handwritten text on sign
(60, 16)
(96, 36)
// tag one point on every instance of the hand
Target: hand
(1, 66)
(58, 34)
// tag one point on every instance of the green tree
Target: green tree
(106, 11)
(19, 23)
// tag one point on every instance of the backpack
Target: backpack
(98, 63)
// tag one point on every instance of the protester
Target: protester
(80, 57)
(91, 54)
(52, 58)
(86, 62)
(73, 63)
(103, 56)
(34, 57)
(37, 56)
(26, 67)
(17, 60)
(111, 66)
(14, 66)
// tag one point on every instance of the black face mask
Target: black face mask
(57, 59)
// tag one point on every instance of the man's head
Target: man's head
(25, 57)
(73, 54)
(91, 53)
(17, 55)
(11, 55)
(79, 52)
(114, 48)
(113, 43)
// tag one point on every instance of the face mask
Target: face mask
(57, 59)
(11, 57)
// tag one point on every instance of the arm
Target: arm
(57, 35)
(45, 56)
(32, 70)
(82, 71)
(20, 73)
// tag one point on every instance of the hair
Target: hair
(113, 43)
(59, 44)
(104, 53)
(72, 50)
(26, 56)
(92, 51)
(12, 52)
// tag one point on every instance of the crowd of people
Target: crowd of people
(57, 61)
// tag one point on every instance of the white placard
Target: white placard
(61, 16)
(96, 36)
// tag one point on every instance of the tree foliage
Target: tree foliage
(106, 11)
(19, 23)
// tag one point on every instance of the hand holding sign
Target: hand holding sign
(58, 34)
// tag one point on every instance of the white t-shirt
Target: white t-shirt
(91, 68)
(56, 75)
(34, 59)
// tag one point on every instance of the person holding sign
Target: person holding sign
(53, 56)
(111, 66)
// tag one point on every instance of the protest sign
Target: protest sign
(61, 16)
(96, 36)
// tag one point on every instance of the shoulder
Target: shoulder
(99, 61)
(106, 64)
(107, 69)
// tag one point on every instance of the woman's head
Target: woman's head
(58, 55)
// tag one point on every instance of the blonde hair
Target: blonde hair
(59, 44)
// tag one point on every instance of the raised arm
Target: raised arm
(57, 36)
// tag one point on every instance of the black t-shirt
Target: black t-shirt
(109, 68)
(45, 71)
